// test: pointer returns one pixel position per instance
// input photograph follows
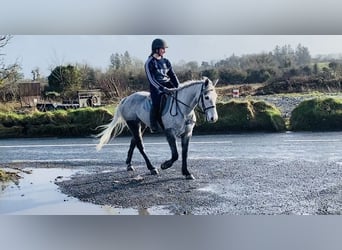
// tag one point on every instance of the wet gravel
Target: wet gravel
(238, 174)
(233, 187)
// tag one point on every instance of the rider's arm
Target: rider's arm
(172, 75)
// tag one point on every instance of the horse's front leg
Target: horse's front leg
(185, 147)
(171, 139)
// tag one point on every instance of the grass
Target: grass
(8, 106)
(61, 123)
(318, 114)
(4, 176)
(8, 176)
(248, 115)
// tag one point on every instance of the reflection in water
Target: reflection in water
(37, 193)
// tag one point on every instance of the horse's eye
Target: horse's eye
(207, 97)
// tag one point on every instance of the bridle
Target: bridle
(203, 109)
(201, 99)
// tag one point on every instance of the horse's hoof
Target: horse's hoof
(190, 177)
(154, 172)
(166, 165)
(130, 168)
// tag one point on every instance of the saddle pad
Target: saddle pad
(165, 104)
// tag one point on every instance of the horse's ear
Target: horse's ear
(206, 81)
(216, 81)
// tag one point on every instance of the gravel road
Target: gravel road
(234, 187)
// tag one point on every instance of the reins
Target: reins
(176, 101)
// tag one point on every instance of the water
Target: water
(254, 145)
(38, 194)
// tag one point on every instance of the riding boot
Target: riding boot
(153, 120)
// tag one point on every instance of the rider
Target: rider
(162, 78)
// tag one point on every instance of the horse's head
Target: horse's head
(207, 100)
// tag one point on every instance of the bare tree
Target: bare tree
(9, 72)
(4, 39)
(112, 86)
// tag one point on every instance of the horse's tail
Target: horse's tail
(117, 124)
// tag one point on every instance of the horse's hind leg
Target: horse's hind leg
(135, 128)
(129, 155)
(130, 152)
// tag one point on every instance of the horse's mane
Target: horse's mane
(189, 83)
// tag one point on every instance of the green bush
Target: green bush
(61, 123)
(244, 116)
(10, 132)
(39, 118)
(9, 119)
(317, 115)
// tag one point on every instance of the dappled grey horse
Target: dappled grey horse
(178, 120)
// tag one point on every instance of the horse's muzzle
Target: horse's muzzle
(212, 117)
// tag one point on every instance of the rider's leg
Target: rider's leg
(154, 113)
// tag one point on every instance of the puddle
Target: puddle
(37, 194)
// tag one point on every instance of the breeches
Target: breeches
(156, 99)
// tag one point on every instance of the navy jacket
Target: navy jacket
(160, 74)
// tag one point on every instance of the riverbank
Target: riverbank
(244, 114)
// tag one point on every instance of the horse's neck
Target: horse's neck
(190, 95)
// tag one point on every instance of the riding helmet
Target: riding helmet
(158, 43)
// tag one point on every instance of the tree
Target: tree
(315, 69)
(212, 74)
(35, 74)
(334, 67)
(115, 61)
(7, 72)
(65, 80)
(284, 56)
(232, 76)
(303, 56)
(127, 61)
(111, 86)
(121, 61)
(87, 76)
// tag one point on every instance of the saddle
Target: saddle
(164, 104)
(163, 109)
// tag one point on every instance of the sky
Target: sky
(49, 51)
